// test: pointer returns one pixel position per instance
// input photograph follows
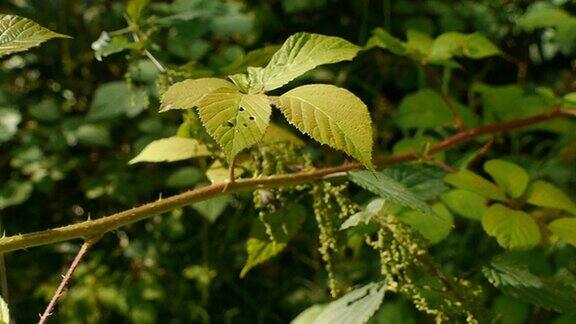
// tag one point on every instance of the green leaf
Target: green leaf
(212, 208)
(513, 229)
(114, 99)
(468, 180)
(431, 110)
(18, 34)
(9, 120)
(545, 194)
(184, 177)
(510, 310)
(4, 312)
(451, 44)
(564, 229)
(301, 53)
(187, 94)
(515, 279)
(258, 57)
(418, 44)
(171, 149)
(465, 203)
(434, 229)
(278, 134)
(235, 120)
(134, 9)
(356, 307)
(14, 193)
(545, 17)
(332, 116)
(416, 145)
(509, 176)
(383, 39)
(365, 216)
(106, 45)
(394, 312)
(270, 237)
(424, 180)
(386, 187)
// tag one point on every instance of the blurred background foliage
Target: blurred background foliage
(69, 123)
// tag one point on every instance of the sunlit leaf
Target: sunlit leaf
(18, 34)
(171, 149)
(235, 120)
(187, 94)
(332, 116)
(302, 52)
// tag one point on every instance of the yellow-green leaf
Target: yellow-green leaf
(301, 53)
(235, 120)
(278, 134)
(544, 194)
(332, 116)
(564, 229)
(513, 229)
(434, 228)
(18, 34)
(186, 94)
(509, 176)
(468, 180)
(465, 203)
(171, 149)
(4, 312)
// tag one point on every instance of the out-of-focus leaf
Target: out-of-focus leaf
(431, 110)
(4, 312)
(564, 229)
(114, 99)
(212, 208)
(14, 193)
(510, 310)
(270, 236)
(278, 134)
(18, 34)
(383, 39)
(9, 120)
(171, 149)
(258, 57)
(545, 194)
(107, 45)
(184, 177)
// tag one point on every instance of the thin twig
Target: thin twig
(65, 280)
(102, 225)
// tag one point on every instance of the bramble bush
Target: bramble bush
(303, 161)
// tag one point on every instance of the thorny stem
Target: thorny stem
(106, 224)
(66, 280)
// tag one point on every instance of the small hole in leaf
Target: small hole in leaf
(242, 109)
(230, 124)
(245, 125)
(251, 118)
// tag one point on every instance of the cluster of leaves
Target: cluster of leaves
(73, 138)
